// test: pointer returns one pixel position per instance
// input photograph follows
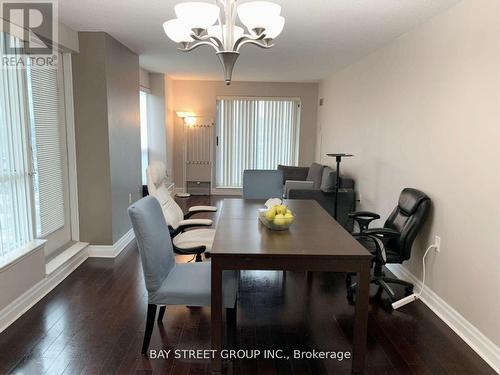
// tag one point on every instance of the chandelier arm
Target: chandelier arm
(245, 38)
(192, 46)
(207, 37)
(258, 43)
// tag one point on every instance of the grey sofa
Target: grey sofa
(322, 190)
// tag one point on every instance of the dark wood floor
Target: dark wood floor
(93, 323)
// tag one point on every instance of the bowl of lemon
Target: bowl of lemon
(276, 217)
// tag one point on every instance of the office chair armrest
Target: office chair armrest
(379, 236)
(364, 218)
(195, 223)
(382, 232)
(186, 224)
(197, 209)
(190, 250)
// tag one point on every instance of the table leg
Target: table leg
(361, 319)
(216, 315)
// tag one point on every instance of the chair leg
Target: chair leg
(150, 322)
(231, 315)
(161, 314)
(387, 289)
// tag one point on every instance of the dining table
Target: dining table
(315, 242)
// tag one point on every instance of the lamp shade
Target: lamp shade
(197, 14)
(177, 31)
(275, 28)
(221, 33)
(258, 14)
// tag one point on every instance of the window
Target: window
(15, 181)
(34, 197)
(255, 133)
(45, 130)
(144, 134)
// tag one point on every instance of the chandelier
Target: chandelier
(214, 25)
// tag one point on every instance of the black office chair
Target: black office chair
(393, 242)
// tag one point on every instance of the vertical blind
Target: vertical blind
(15, 188)
(255, 133)
(45, 120)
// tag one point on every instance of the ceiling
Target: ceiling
(320, 36)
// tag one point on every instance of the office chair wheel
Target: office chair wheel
(387, 305)
(408, 291)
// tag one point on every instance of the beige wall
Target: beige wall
(122, 82)
(92, 139)
(424, 112)
(106, 98)
(19, 276)
(200, 97)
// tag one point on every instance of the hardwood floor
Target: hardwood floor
(93, 323)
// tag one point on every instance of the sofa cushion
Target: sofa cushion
(293, 173)
(328, 179)
(315, 174)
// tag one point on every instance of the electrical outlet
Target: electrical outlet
(437, 243)
(129, 198)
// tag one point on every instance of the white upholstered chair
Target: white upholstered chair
(194, 241)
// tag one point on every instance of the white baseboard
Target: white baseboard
(481, 344)
(111, 251)
(24, 302)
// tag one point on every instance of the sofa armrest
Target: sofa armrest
(293, 173)
(297, 185)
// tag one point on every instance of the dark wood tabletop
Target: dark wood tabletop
(314, 242)
(313, 233)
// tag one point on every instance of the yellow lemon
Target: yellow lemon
(281, 209)
(279, 219)
(288, 218)
(270, 214)
(288, 212)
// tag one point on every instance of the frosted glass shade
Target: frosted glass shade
(177, 31)
(216, 32)
(258, 14)
(275, 28)
(197, 14)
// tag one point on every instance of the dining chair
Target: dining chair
(194, 241)
(262, 184)
(167, 282)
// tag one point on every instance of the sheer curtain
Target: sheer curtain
(255, 133)
(15, 182)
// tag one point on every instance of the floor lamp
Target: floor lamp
(338, 159)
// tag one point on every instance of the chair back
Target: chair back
(408, 218)
(155, 175)
(153, 239)
(262, 184)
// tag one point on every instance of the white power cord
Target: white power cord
(415, 296)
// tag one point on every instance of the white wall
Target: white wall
(156, 119)
(169, 126)
(424, 112)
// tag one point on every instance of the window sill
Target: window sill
(16, 256)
